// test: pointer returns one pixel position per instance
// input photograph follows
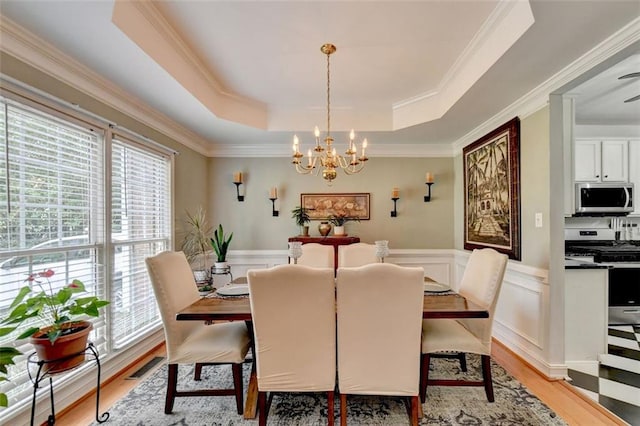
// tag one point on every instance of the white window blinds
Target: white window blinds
(51, 192)
(141, 227)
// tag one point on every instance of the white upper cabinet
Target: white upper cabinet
(587, 161)
(601, 161)
(634, 172)
(615, 161)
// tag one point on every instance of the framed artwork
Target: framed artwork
(322, 206)
(491, 168)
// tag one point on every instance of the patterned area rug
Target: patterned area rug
(514, 404)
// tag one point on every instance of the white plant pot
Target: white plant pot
(221, 265)
(338, 230)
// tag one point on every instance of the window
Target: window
(54, 214)
(141, 213)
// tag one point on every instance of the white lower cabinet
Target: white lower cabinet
(586, 314)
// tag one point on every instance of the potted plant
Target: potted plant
(64, 332)
(339, 220)
(301, 215)
(7, 353)
(220, 244)
(195, 244)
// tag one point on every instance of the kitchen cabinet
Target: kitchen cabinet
(634, 173)
(601, 160)
(585, 315)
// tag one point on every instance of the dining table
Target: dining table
(238, 308)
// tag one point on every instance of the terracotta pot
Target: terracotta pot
(68, 348)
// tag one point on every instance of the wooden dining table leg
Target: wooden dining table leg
(251, 401)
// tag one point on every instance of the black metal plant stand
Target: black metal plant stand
(89, 351)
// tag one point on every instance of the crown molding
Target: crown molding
(144, 24)
(504, 26)
(539, 97)
(43, 56)
(381, 150)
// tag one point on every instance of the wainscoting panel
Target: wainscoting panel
(437, 264)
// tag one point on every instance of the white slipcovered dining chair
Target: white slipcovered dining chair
(480, 284)
(357, 254)
(294, 325)
(316, 255)
(379, 310)
(193, 342)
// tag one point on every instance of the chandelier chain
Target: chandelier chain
(328, 97)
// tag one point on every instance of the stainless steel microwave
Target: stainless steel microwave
(604, 198)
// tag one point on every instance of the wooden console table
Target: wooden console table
(329, 241)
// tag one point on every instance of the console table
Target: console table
(330, 241)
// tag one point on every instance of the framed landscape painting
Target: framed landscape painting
(491, 168)
(323, 206)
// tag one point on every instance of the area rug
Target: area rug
(514, 404)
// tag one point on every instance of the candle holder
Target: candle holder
(394, 212)
(382, 249)
(240, 197)
(295, 251)
(274, 212)
(427, 197)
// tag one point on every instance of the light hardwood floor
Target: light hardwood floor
(558, 395)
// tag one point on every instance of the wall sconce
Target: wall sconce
(273, 196)
(428, 179)
(395, 196)
(237, 180)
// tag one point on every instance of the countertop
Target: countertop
(580, 264)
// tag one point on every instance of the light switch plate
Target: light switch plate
(538, 220)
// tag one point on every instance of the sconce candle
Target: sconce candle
(428, 178)
(395, 196)
(273, 196)
(237, 181)
(428, 181)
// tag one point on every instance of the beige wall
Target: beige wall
(418, 224)
(535, 186)
(534, 190)
(190, 167)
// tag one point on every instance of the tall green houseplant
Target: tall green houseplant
(220, 244)
(196, 242)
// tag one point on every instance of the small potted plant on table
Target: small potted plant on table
(61, 336)
(339, 220)
(301, 215)
(195, 244)
(220, 244)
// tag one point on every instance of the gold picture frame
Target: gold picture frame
(323, 206)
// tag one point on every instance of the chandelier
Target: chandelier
(326, 157)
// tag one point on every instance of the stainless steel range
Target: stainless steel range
(623, 260)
